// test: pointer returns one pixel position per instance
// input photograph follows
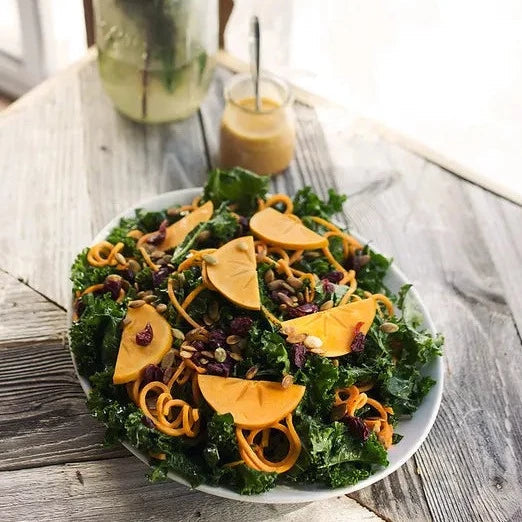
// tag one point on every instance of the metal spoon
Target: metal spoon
(255, 39)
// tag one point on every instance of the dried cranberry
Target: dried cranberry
(241, 326)
(334, 277)
(328, 286)
(129, 275)
(298, 353)
(244, 225)
(160, 275)
(358, 340)
(221, 369)
(148, 422)
(304, 309)
(113, 286)
(198, 345)
(152, 373)
(357, 427)
(159, 236)
(144, 338)
(216, 339)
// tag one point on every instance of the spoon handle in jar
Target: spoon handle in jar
(255, 57)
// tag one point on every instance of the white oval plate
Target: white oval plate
(414, 430)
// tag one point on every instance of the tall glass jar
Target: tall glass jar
(156, 57)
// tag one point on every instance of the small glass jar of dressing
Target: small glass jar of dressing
(261, 141)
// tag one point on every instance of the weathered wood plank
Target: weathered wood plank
(26, 316)
(117, 490)
(43, 417)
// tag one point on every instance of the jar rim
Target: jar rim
(279, 82)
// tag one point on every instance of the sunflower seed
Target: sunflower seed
(389, 328)
(312, 342)
(126, 321)
(283, 307)
(220, 355)
(137, 303)
(251, 373)
(168, 359)
(327, 305)
(275, 284)
(188, 348)
(339, 411)
(294, 282)
(120, 258)
(167, 374)
(242, 246)
(335, 362)
(157, 254)
(211, 260)
(296, 338)
(233, 339)
(287, 381)
(311, 254)
(300, 297)
(207, 354)
(113, 277)
(185, 355)
(288, 288)
(269, 276)
(149, 298)
(178, 334)
(161, 308)
(318, 351)
(285, 299)
(236, 356)
(167, 258)
(134, 265)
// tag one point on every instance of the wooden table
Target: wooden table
(69, 163)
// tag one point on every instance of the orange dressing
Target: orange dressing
(261, 141)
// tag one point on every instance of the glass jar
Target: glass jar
(156, 57)
(262, 141)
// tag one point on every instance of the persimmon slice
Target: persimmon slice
(177, 232)
(253, 404)
(132, 357)
(285, 231)
(336, 327)
(233, 272)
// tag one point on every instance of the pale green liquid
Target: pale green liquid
(146, 98)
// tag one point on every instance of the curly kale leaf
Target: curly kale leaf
(84, 275)
(236, 185)
(308, 203)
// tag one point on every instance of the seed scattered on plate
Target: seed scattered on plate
(287, 381)
(178, 334)
(137, 303)
(149, 298)
(251, 373)
(185, 355)
(389, 328)
(120, 259)
(233, 339)
(220, 355)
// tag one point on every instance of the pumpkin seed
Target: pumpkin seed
(339, 411)
(157, 254)
(287, 381)
(252, 372)
(269, 276)
(285, 299)
(125, 321)
(113, 277)
(208, 320)
(242, 246)
(120, 259)
(312, 342)
(137, 303)
(178, 334)
(211, 260)
(317, 351)
(389, 328)
(220, 355)
(203, 361)
(167, 374)
(207, 354)
(288, 288)
(236, 356)
(326, 305)
(161, 308)
(335, 362)
(185, 355)
(188, 348)
(300, 297)
(233, 339)
(149, 298)
(294, 282)
(203, 236)
(134, 266)
(168, 359)
(167, 258)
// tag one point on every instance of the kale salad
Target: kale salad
(247, 340)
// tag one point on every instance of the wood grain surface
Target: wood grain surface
(70, 162)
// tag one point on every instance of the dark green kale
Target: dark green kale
(248, 481)
(370, 276)
(84, 275)
(238, 186)
(96, 336)
(223, 226)
(308, 203)
(119, 234)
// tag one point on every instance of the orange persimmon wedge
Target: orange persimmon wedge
(284, 231)
(234, 272)
(178, 231)
(336, 327)
(132, 357)
(253, 404)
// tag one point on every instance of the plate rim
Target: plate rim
(281, 494)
